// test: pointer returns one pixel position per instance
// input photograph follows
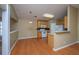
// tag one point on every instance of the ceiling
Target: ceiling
(28, 11)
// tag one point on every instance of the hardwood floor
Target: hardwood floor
(34, 47)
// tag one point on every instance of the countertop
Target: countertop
(59, 32)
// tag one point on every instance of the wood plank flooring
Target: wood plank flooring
(35, 47)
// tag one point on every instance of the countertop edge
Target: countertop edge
(62, 32)
(59, 32)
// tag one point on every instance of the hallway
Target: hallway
(34, 47)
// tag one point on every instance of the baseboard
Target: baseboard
(20, 38)
(77, 41)
(13, 47)
(56, 49)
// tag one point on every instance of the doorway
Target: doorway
(42, 29)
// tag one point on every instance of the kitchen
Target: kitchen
(47, 30)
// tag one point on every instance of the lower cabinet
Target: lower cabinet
(39, 35)
(51, 40)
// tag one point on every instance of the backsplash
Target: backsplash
(54, 27)
(59, 28)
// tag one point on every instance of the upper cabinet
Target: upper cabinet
(42, 24)
(60, 22)
(65, 22)
(13, 13)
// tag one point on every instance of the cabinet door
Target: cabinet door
(60, 22)
(50, 40)
(38, 24)
(65, 22)
(42, 23)
(39, 35)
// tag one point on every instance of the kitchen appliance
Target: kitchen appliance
(44, 32)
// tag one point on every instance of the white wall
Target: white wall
(0, 12)
(61, 40)
(26, 30)
(13, 27)
(78, 25)
(13, 38)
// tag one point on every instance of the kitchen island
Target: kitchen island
(57, 38)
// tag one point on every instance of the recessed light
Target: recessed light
(30, 22)
(48, 15)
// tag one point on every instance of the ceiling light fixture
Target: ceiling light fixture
(48, 15)
(30, 22)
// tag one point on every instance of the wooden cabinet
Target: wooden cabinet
(60, 22)
(39, 35)
(42, 24)
(51, 40)
(65, 22)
